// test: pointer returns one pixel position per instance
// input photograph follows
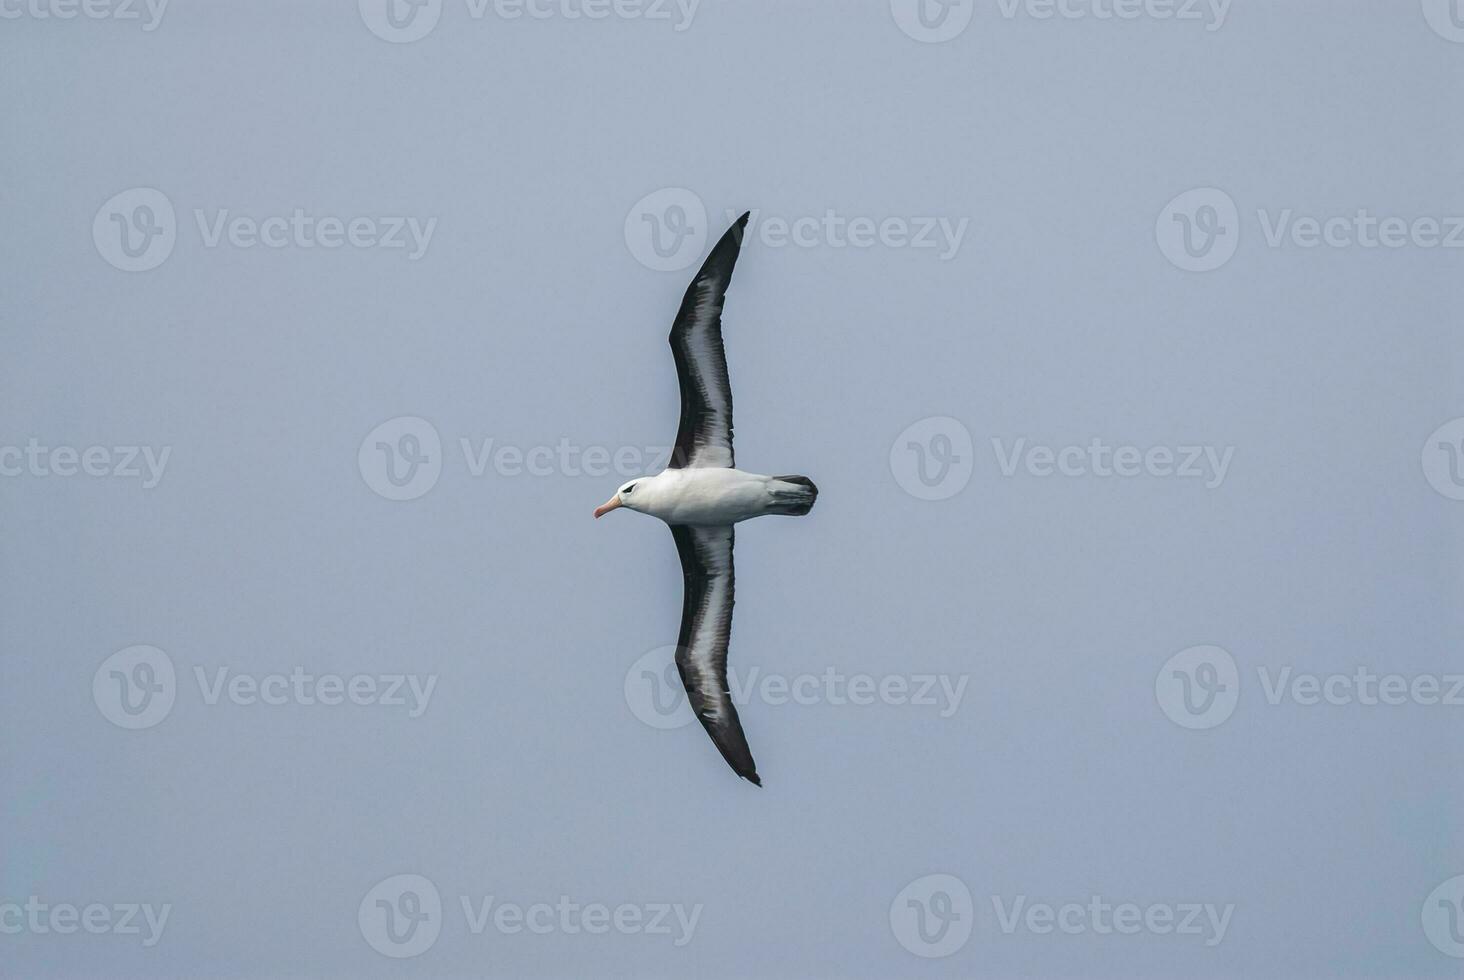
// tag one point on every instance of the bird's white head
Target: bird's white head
(626, 497)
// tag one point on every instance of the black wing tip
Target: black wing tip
(718, 268)
(753, 778)
(736, 231)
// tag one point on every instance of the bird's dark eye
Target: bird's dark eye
(628, 489)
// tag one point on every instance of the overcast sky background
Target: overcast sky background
(532, 316)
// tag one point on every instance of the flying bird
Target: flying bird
(702, 494)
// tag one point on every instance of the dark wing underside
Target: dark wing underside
(706, 627)
(704, 437)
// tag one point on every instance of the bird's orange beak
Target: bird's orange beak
(607, 506)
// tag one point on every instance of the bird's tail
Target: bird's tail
(792, 495)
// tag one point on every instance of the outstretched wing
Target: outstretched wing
(701, 649)
(704, 437)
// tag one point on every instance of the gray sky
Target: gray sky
(1105, 339)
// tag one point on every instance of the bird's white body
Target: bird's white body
(706, 496)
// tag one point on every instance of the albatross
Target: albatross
(701, 494)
